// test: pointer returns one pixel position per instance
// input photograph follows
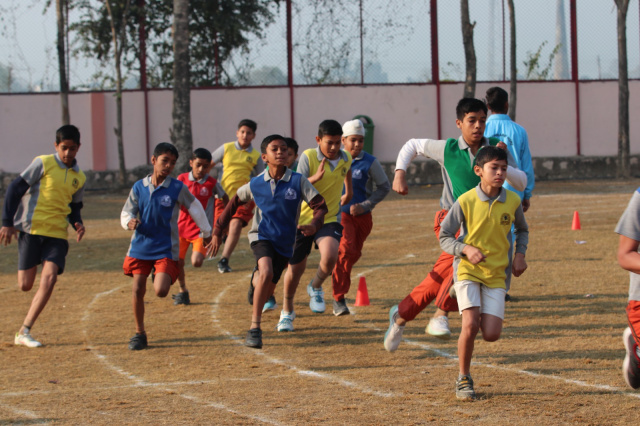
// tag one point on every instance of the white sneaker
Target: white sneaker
(393, 336)
(630, 366)
(439, 327)
(26, 340)
(317, 299)
(286, 321)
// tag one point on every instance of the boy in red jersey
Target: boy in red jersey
(204, 188)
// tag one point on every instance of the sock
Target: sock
(27, 330)
(318, 279)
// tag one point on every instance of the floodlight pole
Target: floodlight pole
(435, 66)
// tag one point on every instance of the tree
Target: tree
(181, 132)
(513, 86)
(62, 12)
(624, 168)
(469, 51)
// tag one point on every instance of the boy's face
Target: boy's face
(277, 154)
(353, 144)
(163, 164)
(199, 167)
(292, 157)
(493, 173)
(472, 126)
(245, 135)
(67, 150)
(330, 145)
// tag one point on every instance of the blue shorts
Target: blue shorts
(35, 249)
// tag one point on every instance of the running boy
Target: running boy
(356, 215)
(328, 169)
(278, 194)
(156, 200)
(484, 216)
(455, 157)
(239, 162)
(628, 257)
(204, 188)
(40, 204)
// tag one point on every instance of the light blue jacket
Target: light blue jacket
(515, 136)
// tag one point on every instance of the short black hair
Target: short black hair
(164, 148)
(490, 153)
(291, 143)
(467, 105)
(266, 141)
(249, 123)
(497, 99)
(202, 153)
(329, 128)
(68, 132)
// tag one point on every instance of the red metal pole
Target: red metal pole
(290, 70)
(142, 33)
(574, 69)
(435, 66)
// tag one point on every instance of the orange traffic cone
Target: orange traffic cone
(362, 297)
(575, 226)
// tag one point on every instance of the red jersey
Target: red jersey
(204, 190)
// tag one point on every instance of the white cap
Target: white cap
(353, 127)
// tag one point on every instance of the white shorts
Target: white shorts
(473, 294)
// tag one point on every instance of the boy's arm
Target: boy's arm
(258, 168)
(428, 148)
(448, 242)
(217, 155)
(379, 177)
(129, 215)
(348, 189)
(628, 256)
(221, 194)
(74, 217)
(317, 204)
(16, 190)
(629, 229)
(516, 178)
(522, 240)
(527, 166)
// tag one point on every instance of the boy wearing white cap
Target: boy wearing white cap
(356, 219)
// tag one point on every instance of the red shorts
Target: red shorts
(244, 212)
(198, 246)
(133, 266)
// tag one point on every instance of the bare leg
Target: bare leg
(235, 228)
(181, 278)
(263, 289)
(139, 290)
(466, 341)
(48, 279)
(328, 247)
(440, 313)
(491, 327)
(162, 284)
(291, 281)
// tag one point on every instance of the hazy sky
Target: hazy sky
(397, 38)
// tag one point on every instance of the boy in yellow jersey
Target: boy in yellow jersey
(328, 168)
(239, 163)
(484, 216)
(40, 204)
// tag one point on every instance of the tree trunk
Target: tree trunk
(118, 43)
(624, 168)
(181, 132)
(469, 51)
(62, 62)
(513, 87)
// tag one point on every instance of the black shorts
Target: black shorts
(35, 249)
(303, 244)
(264, 248)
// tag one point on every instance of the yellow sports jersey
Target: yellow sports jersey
(44, 208)
(237, 165)
(330, 186)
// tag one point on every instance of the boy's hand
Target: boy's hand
(213, 246)
(319, 173)
(6, 233)
(356, 210)
(79, 231)
(133, 224)
(474, 255)
(344, 199)
(400, 183)
(519, 265)
(307, 230)
(501, 145)
(207, 240)
(526, 203)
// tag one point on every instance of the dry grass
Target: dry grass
(558, 361)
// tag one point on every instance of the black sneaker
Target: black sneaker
(340, 308)
(252, 289)
(181, 298)
(138, 342)
(254, 338)
(223, 266)
(507, 297)
(464, 388)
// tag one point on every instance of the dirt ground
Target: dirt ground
(558, 361)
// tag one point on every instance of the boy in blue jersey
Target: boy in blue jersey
(356, 217)
(39, 205)
(483, 216)
(278, 193)
(152, 211)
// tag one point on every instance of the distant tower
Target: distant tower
(561, 61)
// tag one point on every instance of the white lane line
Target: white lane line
(273, 360)
(161, 386)
(24, 413)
